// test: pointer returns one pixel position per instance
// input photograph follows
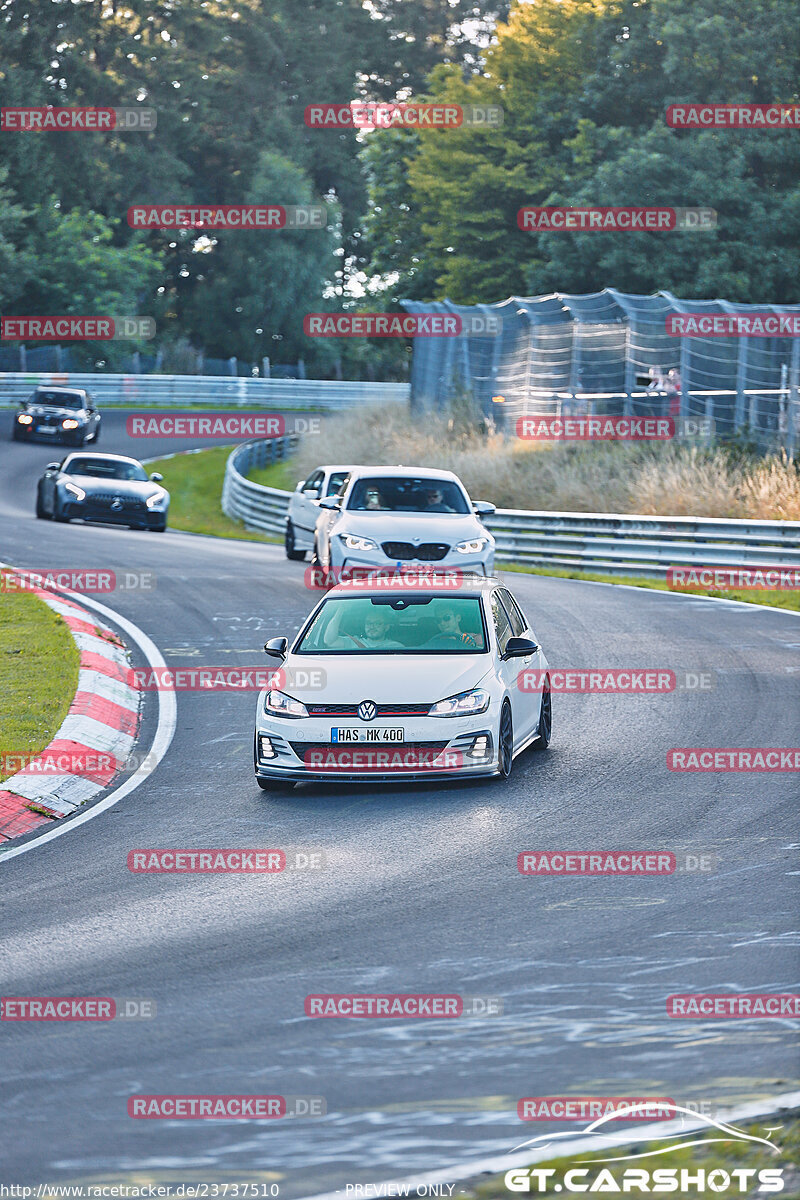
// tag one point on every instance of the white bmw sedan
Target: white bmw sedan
(416, 677)
(402, 517)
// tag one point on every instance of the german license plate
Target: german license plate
(341, 737)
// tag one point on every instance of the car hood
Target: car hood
(386, 679)
(120, 487)
(412, 527)
(52, 410)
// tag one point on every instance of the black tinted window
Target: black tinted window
(386, 493)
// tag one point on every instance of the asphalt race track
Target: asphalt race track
(421, 894)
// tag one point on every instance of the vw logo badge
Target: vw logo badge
(367, 710)
(116, 504)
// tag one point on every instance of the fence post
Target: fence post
(265, 367)
(232, 366)
(23, 359)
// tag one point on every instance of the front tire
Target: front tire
(292, 553)
(40, 509)
(96, 437)
(58, 514)
(505, 742)
(545, 720)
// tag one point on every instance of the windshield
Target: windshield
(103, 468)
(396, 625)
(387, 493)
(59, 399)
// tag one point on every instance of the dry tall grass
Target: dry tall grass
(647, 478)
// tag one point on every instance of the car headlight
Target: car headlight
(281, 705)
(473, 546)
(462, 705)
(24, 419)
(156, 498)
(353, 542)
(69, 424)
(75, 491)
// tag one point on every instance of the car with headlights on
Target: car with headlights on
(403, 517)
(102, 487)
(301, 516)
(57, 414)
(416, 676)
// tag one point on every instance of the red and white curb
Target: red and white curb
(97, 734)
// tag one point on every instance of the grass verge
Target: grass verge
(708, 1156)
(194, 482)
(39, 664)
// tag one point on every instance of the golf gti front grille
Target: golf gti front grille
(406, 552)
(382, 710)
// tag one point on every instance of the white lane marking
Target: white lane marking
(631, 587)
(165, 730)
(578, 1144)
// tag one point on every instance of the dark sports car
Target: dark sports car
(102, 487)
(58, 414)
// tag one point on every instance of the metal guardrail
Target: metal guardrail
(208, 390)
(608, 543)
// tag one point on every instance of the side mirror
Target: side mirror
(156, 478)
(312, 493)
(300, 483)
(52, 466)
(330, 502)
(519, 647)
(276, 647)
(483, 508)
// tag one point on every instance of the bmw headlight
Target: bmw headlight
(473, 546)
(353, 542)
(70, 423)
(281, 705)
(156, 499)
(24, 419)
(75, 491)
(462, 705)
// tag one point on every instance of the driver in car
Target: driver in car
(450, 635)
(372, 637)
(434, 501)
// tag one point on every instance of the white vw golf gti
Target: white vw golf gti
(415, 676)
